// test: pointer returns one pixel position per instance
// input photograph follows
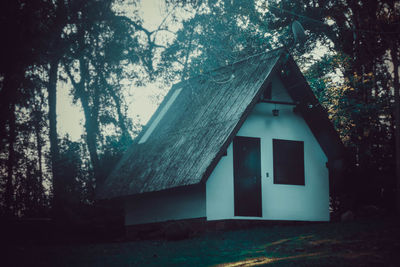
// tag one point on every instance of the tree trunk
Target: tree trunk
(54, 146)
(121, 118)
(39, 147)
(91, 127)
(9, 191)
(396, 88)
(10, 86)
(91, 135)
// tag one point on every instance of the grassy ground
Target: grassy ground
(372, 242)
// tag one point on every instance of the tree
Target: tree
(94, 48)
(99, 43)
(23, 27)
(219, 33)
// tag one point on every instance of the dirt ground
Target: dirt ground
(364, 242)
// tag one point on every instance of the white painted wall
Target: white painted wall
(174, 204)
(279, 202)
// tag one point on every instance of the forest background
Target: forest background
(99, 53)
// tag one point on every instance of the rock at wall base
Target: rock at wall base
(348, 216)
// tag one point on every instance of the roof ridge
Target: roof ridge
(257, 54)
(230, 65)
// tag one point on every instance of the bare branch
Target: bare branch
(71, 77)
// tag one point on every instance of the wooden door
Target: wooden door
(247, 176)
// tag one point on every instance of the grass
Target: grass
(369, 242)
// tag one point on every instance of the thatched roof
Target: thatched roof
(205, 114)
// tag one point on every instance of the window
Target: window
(288, 162)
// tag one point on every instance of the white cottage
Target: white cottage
(246, 141)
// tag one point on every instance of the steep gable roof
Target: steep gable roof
(193, 126)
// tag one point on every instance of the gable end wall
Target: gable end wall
(279, 202)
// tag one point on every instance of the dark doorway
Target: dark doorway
(247, 176)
